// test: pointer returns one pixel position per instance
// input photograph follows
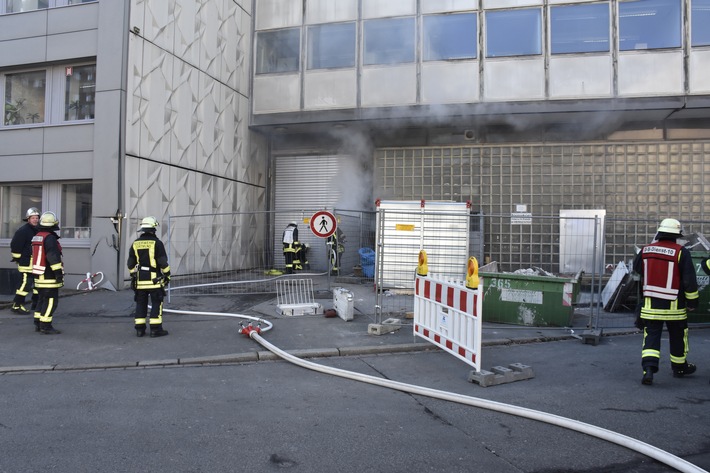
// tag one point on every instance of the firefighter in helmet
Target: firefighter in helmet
(335, 250)
(21, 250)
(291, 246)
(48, 268)
(150, 273)
(669, 289)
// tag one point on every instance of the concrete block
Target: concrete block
(591, 337)
(387, 326)
(501, 375)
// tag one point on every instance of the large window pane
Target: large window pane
(513, 32)
(278, 51)
(80, 91)
(389, 41)
(24, 97)
(331, 46)
(700, 19)
(16, 6)
(580, 28)
(75, 220)
(450, 37)
(649, 24)
(14, 202)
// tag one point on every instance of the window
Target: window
(14, 202)
(76, 211)
(54, 95)
(450, 37)
(513, 32)
(278, 51)
(19, 6)
(388, 41)
(71, 201)
(79, 97)
(649, 24)
(700, 22)
(579, 28)
(24, 97)
(331, 46)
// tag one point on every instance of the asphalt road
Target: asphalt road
(273, 416)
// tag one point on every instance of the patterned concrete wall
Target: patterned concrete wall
(188, 148)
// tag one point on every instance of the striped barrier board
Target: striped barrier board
(449, 315)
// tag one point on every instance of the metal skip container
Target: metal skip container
(524, 299)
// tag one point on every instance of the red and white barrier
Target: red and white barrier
(449, 315)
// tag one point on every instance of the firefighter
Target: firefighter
(150, 273)
(21, 250)
(48, 270)
(290, 242)
(335, 250)
(669, 290)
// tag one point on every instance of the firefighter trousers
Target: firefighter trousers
(156, 308)
(678, 341)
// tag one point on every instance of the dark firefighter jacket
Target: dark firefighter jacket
(50, 258)
(148, 262)
(21, 247)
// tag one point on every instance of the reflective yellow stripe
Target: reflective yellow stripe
(47, 315)
(648, 353)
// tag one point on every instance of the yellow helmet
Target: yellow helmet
(148, 223)
(48, 220)
(670, 225)
(30, 212)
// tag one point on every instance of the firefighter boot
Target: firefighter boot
(19, 309)
(140, 330)
(684, 371)
(47, 329)
(157, 331)
(37, 329)
(647, 377)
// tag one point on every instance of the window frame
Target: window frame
(386, 54)
(50, 4)
(51, 200)
(538, 41)
(694, 26)
(310, 38)
(622, 37)
(260, 60)
(580, 39)
(425, 34)
(54, 95)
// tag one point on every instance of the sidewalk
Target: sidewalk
(97, 333)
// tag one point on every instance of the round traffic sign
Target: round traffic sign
(323, 224)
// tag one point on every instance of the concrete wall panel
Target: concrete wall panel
(441, 6)
(389, 86)
(274, 94)
(278, 13)
(490, 4)
(69, 138)
(576, 77)
(27, 25)
(651, 73)
(330, 11)
(65, 46)
(330, 89)
(514, 79)
(700, 72)
(23, 51)
(11, 172)
(450, 82)
(74, 18)
(70, 166)
(380, 9)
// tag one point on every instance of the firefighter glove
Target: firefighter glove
(60, 276)
(134, 281)
(639, 323)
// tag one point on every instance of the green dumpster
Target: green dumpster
(702, 313)
(529, 300)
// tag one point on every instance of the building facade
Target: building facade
(115, 110)
(119, 109)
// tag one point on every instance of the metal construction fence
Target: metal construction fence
(241, 253)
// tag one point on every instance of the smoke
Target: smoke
(355, 174)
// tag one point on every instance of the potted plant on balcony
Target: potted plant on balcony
(13, 112)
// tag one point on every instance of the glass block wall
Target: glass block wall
(637, 184)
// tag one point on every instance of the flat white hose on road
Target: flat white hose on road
(604, 434)
(592, 430)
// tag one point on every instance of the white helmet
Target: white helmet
(48, 220)
(30, 212)
(670, 225)
(148, 223)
